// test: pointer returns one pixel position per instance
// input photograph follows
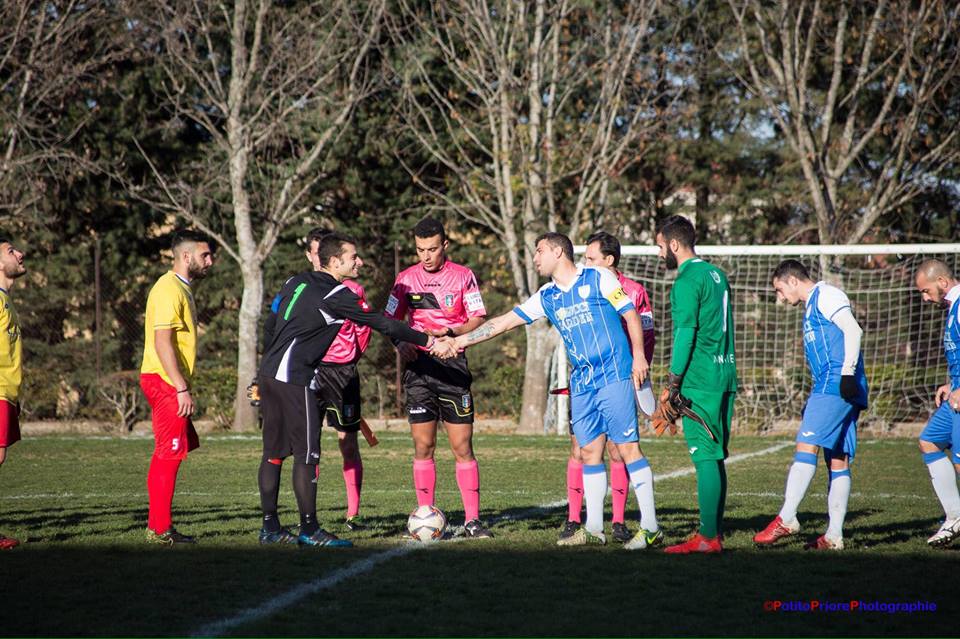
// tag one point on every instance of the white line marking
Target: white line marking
(296, 594)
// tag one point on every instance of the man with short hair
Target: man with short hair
(337, 383)
(11, 375)
(586, 304)
(702, 383)
(938, 286)
(309, 315)
(166, 373)
(603, 251)
(441, 298)
(831, 340)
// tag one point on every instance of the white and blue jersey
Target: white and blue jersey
(943, 428)
(823, 342)
(587, 314)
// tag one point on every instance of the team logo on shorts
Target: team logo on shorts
(348, 411)
(448, 300)
(466, 401)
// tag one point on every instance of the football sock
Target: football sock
(594, 490)
(801, 473)
(305, 490)
(269, 481)
(944, 479)
(468, 479)
(709, 493)
(837, 497)
(619, 484)
(574, 489)
(161, 483)
(722, 469)
(424, 480)
(642, 477)
(353, 480)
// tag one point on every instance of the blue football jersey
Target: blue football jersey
(823, 342)
(587, 314)
(951, 341)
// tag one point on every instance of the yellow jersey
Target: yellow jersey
(170, 305)
(10, 349)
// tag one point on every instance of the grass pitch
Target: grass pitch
(80, 506)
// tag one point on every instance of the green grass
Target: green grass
(80, 506)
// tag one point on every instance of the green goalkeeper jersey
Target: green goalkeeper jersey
(703, 348)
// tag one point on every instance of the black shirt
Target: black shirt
(311, 308)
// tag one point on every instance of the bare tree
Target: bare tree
(527, 111)
(51, 53)
(861, 93)
(272, 85)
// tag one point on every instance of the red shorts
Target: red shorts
(9, 423)
(173, 436)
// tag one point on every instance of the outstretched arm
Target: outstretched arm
(490, 329)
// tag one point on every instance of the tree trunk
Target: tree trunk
(244, 416)
(541, 340)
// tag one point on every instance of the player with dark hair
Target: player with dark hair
(603, 251)
(586, 305)
(831, 340)
(939, 286)
(309, 315)
(441, 298)
(11, 374)
(337, 383)
(702, 383)
(169, 354)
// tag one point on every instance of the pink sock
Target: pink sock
(574, 489)
(468, 479)
(353, 480)
(424, 480)
(619, 485)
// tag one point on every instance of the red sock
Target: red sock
(468, 479)
(353, 480)
(619, 485)
(574, 489)
(424, 480)
(161, 482)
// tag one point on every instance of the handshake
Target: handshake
(443, 347)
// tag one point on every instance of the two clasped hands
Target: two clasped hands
(441, 345)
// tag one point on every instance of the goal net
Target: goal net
(902, 341)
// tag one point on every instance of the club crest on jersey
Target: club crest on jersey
(715, 276)
(448, 300)
(584, 291)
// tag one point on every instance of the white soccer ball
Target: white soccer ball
(427, 524)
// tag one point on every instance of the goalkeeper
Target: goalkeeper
(702, 383)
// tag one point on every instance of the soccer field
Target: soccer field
(80, 505)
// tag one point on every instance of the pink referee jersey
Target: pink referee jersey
(352, 339)
(444, 299)
(638, 295)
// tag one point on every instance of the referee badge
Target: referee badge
(448, 300)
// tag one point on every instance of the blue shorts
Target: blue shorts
(943, 429)
(610, 410)
(830, 422)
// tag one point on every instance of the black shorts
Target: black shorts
(338, 396)
(291, 421)
(438, 390)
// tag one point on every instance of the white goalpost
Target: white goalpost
(902, 341)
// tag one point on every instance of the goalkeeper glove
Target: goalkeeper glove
(253, 392)
(849, 389)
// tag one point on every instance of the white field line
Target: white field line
(298, 593)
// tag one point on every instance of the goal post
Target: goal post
(902, 335)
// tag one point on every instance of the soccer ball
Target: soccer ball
(427, 523)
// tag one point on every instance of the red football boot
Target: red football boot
(696, 544)
(775, 530)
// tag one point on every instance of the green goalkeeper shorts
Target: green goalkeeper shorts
(716, 409)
